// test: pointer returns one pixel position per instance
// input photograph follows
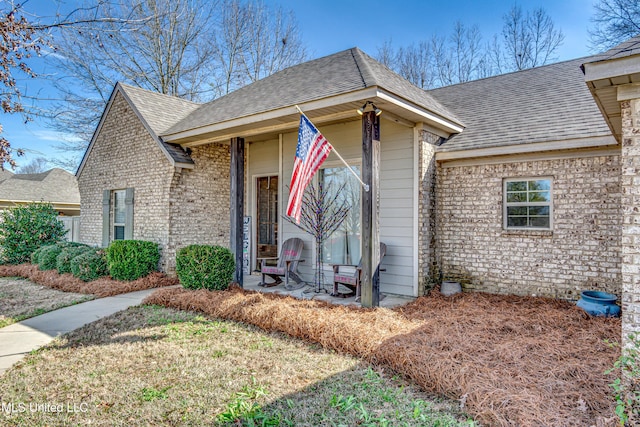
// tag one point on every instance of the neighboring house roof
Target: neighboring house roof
(54, 186)
(544, 104)
(5, 174)
(340, 73)
(156, 112)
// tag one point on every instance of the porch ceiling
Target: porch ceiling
(268, 124)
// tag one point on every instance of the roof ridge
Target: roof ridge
(497, 76)
(126, 86)
(357, 52)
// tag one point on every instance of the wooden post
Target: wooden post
(370, 283)
(237, 204)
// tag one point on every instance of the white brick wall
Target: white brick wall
(124, 155)
(582, 252)
(199, 201)
(172, 207)
(630, 217)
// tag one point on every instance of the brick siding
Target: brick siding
(427, 268)
(630, 217)
(581, 252)
(125, 155)
(199, 202)
(172, 207)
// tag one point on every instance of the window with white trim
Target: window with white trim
(119, 214)
(528, 203)
(343, 246)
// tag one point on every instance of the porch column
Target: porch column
(237, 204)
(370, 284)
(629, 97)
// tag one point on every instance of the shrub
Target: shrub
(48, 256)
(90, 265)
(24, 229)
(132, 259)
(63, 260)
(203, 266)
(626, 386)
(35, 255)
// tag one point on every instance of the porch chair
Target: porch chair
(286, 266)
(352, 280)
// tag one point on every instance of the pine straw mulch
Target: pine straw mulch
(104, 287)
(510, 360)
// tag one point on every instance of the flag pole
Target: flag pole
(365, 186)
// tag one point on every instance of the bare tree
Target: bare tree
(416, 64)
(37, 165)
(274, 42)
(458, 58)
(386, 54)
(439, 60)
(160, 45)
(614, 22)
(529, 40)
(253, 42)
(193, 49)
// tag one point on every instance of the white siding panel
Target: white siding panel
(262, 160)
(396, 198)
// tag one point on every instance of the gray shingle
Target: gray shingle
(624, 49)
(332, 75)
(55, 185)
(161, 112)
(548, 103)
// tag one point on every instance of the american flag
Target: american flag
(312, 150)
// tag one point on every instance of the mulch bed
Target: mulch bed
(104, 287)
(510, 360)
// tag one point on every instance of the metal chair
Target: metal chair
(286, 266)
(352, 279)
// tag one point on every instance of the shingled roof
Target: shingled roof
(544, 104)
(160, 112)
(623, 50)
(55, 186)
(340, 73)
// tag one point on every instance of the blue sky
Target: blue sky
(329, 26)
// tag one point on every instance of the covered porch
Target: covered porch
(308, 292)
(392, 152)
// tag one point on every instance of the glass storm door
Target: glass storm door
(267, 218)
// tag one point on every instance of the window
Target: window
(119, 214)
(343, 246)
(528, 203)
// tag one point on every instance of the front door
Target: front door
(267, 217)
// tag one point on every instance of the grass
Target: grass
(184, 369)
(21, 299)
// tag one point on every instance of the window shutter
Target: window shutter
(128, 202)
(106, 223)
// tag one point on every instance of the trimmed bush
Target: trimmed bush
(90, 265)
(132, 259)
(24, 229)
(48, 256)
(63, 260)
(203, 266)
(35, 255)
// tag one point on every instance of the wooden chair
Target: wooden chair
(352, 279)
(286, 266)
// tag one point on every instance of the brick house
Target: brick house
(509, 184)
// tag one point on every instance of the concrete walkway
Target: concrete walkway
(20, 338)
